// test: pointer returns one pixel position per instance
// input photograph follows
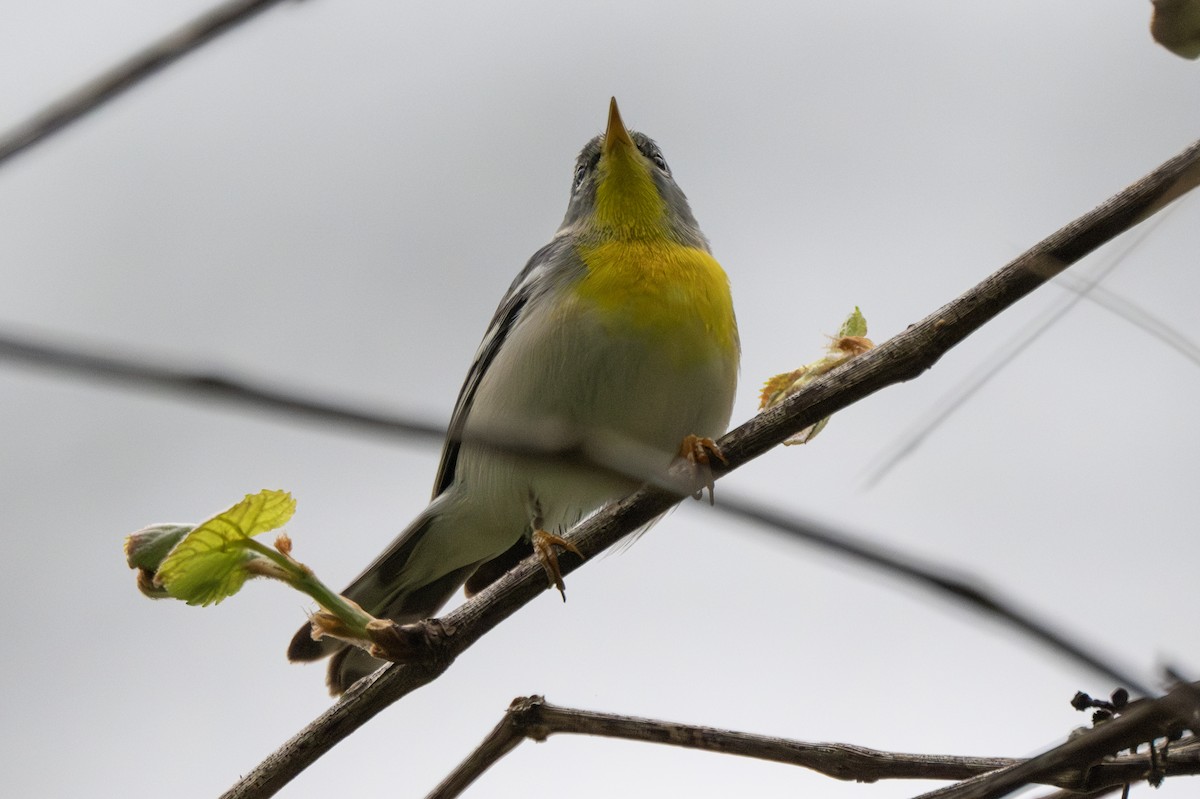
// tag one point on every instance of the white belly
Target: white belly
(565, 379)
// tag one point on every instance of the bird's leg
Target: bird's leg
(698, 453)
(543, 546)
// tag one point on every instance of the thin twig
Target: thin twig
(1141, 318)
(962, 587)
(532, 717)
(127, 74)
(504, 737)
(138, 371)
(911, 439)
(901, 358)
(1144, 721)
(535, 718)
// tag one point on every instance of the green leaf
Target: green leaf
(148, 548)
(216, 558)
(855, 324)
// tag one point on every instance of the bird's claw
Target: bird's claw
(543, 547)
(699, 452)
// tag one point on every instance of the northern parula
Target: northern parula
(621, 326)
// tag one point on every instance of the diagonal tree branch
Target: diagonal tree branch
(901, 358)
(912, 438)
(141, 373)
(127, 74)
(1144, 721)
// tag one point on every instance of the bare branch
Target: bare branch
(901, 358)
(534, 718)
(1145, 721)
(1067, 793)
(127, 74)
(139, 372)
(619, 457)
(514, 728)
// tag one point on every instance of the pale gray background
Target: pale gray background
(334, 198)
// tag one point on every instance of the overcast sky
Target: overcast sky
(334, 197)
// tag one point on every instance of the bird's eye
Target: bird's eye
(580, 174)
(659, 161)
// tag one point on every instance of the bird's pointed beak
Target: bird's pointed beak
(616, 137)
(628, 202)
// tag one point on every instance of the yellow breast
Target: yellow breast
(665, 290)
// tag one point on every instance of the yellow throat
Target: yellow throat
(638, 272)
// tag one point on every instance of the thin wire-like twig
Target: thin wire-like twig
(964, 588)
(127, 74)
(1136, 315)
(142, 373)
(957, 397)
(961, 587)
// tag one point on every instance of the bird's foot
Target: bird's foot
(543, 547)
(699, 452)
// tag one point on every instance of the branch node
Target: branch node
(525, 716)
(424, 642)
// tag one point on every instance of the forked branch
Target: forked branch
(532, 717)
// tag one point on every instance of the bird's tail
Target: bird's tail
(382, 591)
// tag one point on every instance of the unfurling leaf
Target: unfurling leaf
(218, 556)
(149, 547)
(851, 341)
(146, 549)
(205, 563)
(855, 325)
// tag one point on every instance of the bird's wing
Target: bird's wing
(558, 256)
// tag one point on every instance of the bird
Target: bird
(620, 329)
